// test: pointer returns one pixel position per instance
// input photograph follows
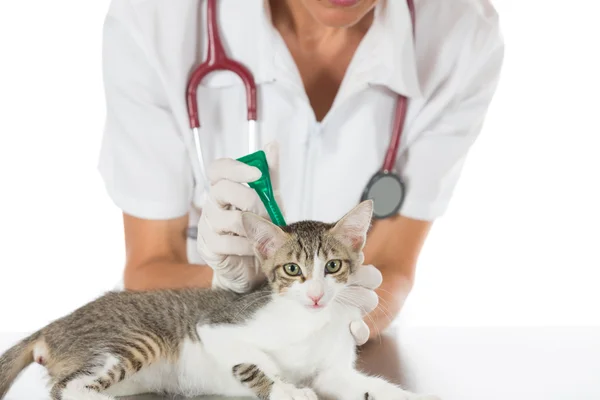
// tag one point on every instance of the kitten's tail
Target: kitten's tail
(15, 360)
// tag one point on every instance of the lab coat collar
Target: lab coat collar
(390, 63)
(262, 61)
(395, 51)
(248, 42)
(266, 71)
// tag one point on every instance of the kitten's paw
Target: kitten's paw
(382, 390)
(285, 391)
(391, 392)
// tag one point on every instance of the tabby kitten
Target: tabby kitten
(286, 340)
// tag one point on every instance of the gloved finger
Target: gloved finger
(222, 244)
(208, 256)
(231, 170)
(364, 299)
(367, 276)
(227, 193)
(272, 153)
(238, 283)
(229, 245)
(223, 221)
(360, 331)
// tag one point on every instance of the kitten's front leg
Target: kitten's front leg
(255, 370)
(350, 384)
(269, 386)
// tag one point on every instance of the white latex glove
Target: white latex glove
(222, 241)
(362, 292)
(223, 244)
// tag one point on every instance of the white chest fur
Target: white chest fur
(284, 337)
(299, 341)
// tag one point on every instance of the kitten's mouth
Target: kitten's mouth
(315, 306)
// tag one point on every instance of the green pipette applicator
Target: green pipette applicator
(263, 186)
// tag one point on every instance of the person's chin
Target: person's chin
(340, 13)
(342, 4)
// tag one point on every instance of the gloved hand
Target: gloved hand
(222, 241)
(223, 244)
(364, 282)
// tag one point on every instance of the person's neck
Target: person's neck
(291, 17)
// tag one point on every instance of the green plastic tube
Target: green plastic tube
(263, 185)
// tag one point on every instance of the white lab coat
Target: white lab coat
(148, 160)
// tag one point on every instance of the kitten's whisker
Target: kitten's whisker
(353, 294)
(254, 300)
(348, 301)
(374, 324)
(383, 303)
(260, 296)
(384, 300)
(370, 317)
(357, 296)
(385, 312)
(383, 290)
(351, 303)
(241, 312)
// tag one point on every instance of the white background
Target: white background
(518, 246)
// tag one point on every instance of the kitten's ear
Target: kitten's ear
(266, 236)
(352, 228)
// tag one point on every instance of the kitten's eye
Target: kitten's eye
(292, 269)
(333, 266)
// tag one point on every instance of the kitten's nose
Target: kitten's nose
(316, 298)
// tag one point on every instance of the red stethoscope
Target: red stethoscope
(385, 188)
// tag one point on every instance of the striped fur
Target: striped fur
(255, 379)
(137, 329)
(202, 341)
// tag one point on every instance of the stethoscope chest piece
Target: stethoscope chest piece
(387, 191)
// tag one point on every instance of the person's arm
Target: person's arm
(156, 256)
(393, 246)
(144, 161)
(447, 124)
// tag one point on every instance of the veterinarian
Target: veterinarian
(328, 74)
